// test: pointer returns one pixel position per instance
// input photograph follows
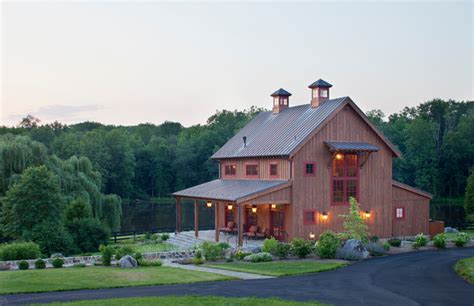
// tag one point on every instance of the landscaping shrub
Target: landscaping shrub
(327, 244)
(165, 237)
(197, 261)
(376, 249)
(212, 251)
(374, 239)
(149, 263)
(107, 252)
(386, 246)
(240, 255)
(259, 257)
(439, 241)
(354, 225)
(51, 236)
(23, 265)
(87, 234)
(282, 250)
(395, 242)
(58, 262)
(137, 255)
(154, 237)
(19, 250)
(223, 245)
(124, 250)
(147, 236)
(198, 254)
(420, 241)
(40, 264)
(270, 245)
(461, 239)
(301, 247)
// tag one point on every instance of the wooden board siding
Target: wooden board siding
(314, 192)
(263, 168)
(416, 218)
(282, 196)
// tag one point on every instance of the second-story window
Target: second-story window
(273, 169)
(251, 170)
(345, 178)
(309, 168)
(229, 169)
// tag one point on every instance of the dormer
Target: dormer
(281, 100)
(319, 92)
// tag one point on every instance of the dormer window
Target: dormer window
(285, 101)
(275, 101)
(324, 93)
(315, 93)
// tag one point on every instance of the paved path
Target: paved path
(241, 275)
(418, 278)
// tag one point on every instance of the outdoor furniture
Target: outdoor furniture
(229, 228)
(252, 232)
(263, 234)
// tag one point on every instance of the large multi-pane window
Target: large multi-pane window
(345, 178)
(230, 169)
(251, 170)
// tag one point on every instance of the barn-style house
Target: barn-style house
(291, 171)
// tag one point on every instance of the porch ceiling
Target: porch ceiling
(231, 190)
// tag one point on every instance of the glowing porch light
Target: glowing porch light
(367, 214)
(274, 206)
(339, 156)
(229, 206)
(254, 209)
(325, 216)
(312, 236)
(209, 204)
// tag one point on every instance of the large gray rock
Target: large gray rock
(127, 261)
(352, 250)
(450, 230)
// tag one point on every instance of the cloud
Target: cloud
(61, 113)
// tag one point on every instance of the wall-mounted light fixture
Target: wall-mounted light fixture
(274, 206)
(229, 206)
(254, 209)
(325, 216)
(312, 235)
(209, 204)
(339, 156)
(367, 214)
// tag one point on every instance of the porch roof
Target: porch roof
(351, 146)
(230, 190)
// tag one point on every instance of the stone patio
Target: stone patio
(186, 240)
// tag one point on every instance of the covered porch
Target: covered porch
(244, 210)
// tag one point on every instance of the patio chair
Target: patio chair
(252, 232)
(228, 229)
(263, 234)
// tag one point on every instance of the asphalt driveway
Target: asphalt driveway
(418, 278)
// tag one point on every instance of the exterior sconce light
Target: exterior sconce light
(367, 214)
(229, 206)
(274, 206)
(254, 209)
(339, 156)
(312, 236)
(325, 216)
(209, 204)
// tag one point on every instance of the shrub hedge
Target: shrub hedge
(19, 250)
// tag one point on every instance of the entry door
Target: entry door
(276, 224)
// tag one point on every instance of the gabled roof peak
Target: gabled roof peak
(320, 83)
(281, 92)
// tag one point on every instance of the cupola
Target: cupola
(319, 92)
(281, 100)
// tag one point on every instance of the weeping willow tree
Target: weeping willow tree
(17, 153)
(112, 211)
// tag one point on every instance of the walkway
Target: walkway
(418, 278)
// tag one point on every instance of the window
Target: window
(251, 170)
(273, 170)
(309, 169)
(275, 101)
(230, 169)
(324, 93)
(399, 213)
(285, 101)
(309, 217)
(315, 93)
(345, 178)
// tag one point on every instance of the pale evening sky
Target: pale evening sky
(135, 62)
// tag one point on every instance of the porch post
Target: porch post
(216, 221)
(196, 222)
(239, 224)
(178, 215)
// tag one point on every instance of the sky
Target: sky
(127, 63)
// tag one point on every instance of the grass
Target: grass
(450, 236)
(191, 300)
(465, 268)
(153, 247)
(279, 268)
(97, 277)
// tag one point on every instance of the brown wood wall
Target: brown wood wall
(315, 192)
(263, 168)
(416, 219)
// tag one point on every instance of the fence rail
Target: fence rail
(124, 235)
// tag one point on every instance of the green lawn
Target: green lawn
(153, 247)
(450, 236)
(465, 268)
(191, 300)
(97, 277)
(279, 268)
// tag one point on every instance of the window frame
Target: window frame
(246, 170)
(270, 170)
(230, 165)
(314, 169)
(344, 179)
(305, 212)
(395, 213)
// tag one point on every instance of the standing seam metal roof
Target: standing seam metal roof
(351, 146)
(279, 134)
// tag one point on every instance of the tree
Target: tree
(469, 197)
(112, 205)
(78, 209)
(29, 122)
(354, 225)
(88, 234)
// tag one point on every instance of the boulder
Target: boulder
(352, 250)
(450, 230)
(127, 261)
